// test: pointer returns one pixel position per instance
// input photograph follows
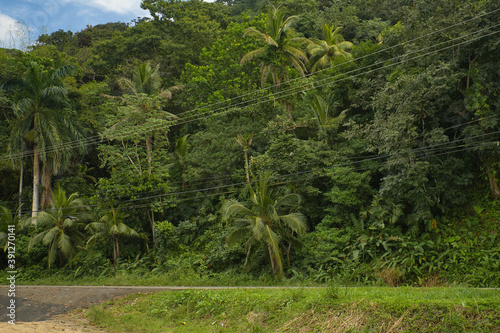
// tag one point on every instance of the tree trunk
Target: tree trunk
(495, 191)
(288, 252)
(117, 248)
(21, 174)
(114, 252)
(183, 171)
(288, 107)
(46, 185)
(470, 70)
(246, 166)
(36, 183)
(152, 221)
(149, 147)
(273, 261)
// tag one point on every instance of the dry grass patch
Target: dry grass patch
(330, 321)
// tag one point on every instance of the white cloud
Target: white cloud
(115, 6)
(8, 28)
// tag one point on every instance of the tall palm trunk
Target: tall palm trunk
(46, 184)
(117, 248)
(247, 168)
(152, 222)
(183, 172)
(149, 148)
(273, 260)
(115, 241)
(36, 183)
(21, 175)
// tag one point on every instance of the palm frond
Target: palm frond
(296, 222)
(36, 239)
(125, 231)
(127, 85)
(237, 235)
(265, 70)
(272, 240)
(232, 207)
(252, 54)
(66, 245)
(289, 200)
(45, 219)
(299, 66)
(262, 36)
(288, 22)
(62, 72)
(257, 227)
(50, 235)
(52, 252)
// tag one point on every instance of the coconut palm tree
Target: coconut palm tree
(323, 52)
(245, 141)
(147, 93)
(277, 53)
(268, 221)
(44, 121)
(321, 109)
(62, 225)
(147, 80)
(111, 225)
(7, 221)
(180, 152)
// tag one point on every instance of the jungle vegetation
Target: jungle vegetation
(311, 140)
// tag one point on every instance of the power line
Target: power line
(96, 139)
(418, 57)
(465, 146)
(301, 88)
(207, 180)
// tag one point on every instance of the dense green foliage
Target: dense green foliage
(381, 116)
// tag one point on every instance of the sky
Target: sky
(47, 16)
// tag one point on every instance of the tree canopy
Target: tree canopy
(372, 125)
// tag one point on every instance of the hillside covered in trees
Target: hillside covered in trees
(346, 140)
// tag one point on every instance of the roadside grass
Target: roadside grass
(330, 309)
(189, 278)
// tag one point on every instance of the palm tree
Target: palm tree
(245, 141)
(147, 90)
(277, 52)
(147, 80)
(323, 52)
(266, 222)
(181, 149)
(43, 120)
(320, 109)
(111, 225)
(62, 223)
(7, 221)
